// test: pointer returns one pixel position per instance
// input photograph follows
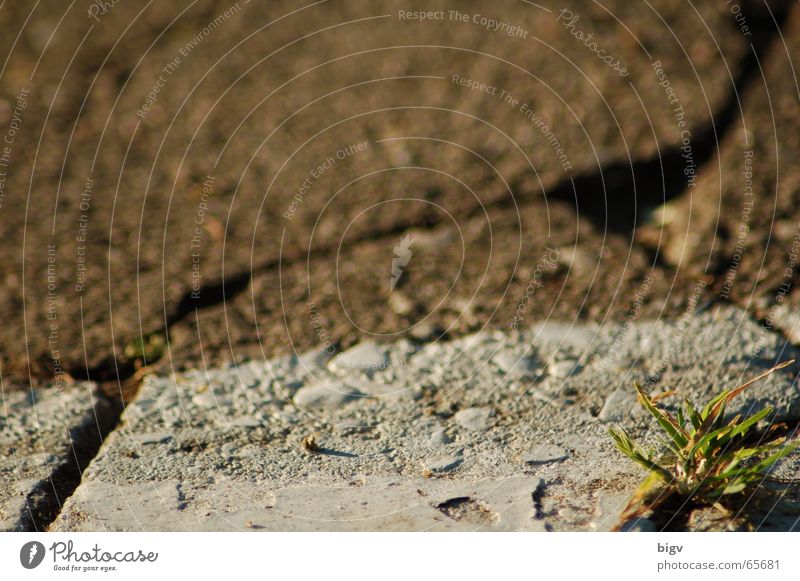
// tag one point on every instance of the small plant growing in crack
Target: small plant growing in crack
(707, 458)
(146, 349)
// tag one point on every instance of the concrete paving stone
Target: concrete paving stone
(373, 465)
(382, 504)
(45, 435)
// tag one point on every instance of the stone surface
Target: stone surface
(381, 463)
(400, 251)
(45, 436)
(381, 504)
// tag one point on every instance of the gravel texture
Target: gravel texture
(46, 437)
(443, 439)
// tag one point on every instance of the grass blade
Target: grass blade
(718, 403)
(666, 421)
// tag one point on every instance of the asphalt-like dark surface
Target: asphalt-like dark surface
(221, 181)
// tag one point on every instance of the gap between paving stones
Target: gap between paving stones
(47, 438)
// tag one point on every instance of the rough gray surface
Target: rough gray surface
(42, 432)
(440, 439)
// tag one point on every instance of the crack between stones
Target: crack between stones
(44, 502)
(538, 496)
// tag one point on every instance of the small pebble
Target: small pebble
(616, 407)
(475, 341)
(638, 525)
(152, 438)
(474, 419)
(364, 356)
(400, 303)
(564, 335)
(313, 360)
(545, 454)
(425, 332)
(564, 369)
(325, 395)
(441, 464)
(515, 365)
(206, 399)
(439, 438)
(249, 423)
(579, 261)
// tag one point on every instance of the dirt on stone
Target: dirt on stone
(740, 223)
(196, 182)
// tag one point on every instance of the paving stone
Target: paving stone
(381, 504)
(554, 470)
(45, 435)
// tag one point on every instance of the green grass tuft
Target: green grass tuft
(706, 457)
